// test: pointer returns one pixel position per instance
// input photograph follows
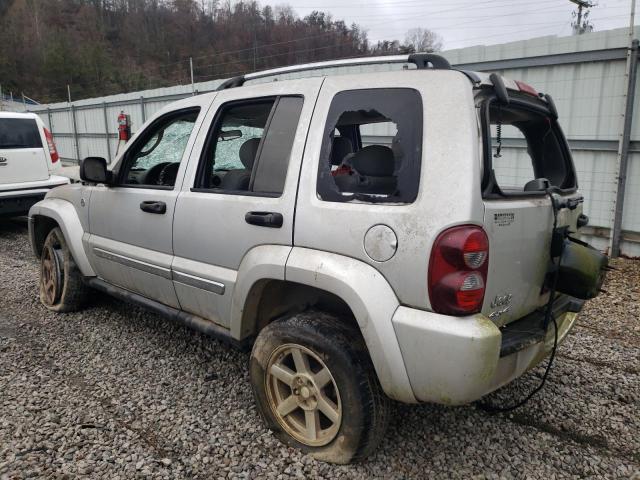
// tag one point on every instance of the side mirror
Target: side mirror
(94, 170)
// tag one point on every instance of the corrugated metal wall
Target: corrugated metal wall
(585, 74)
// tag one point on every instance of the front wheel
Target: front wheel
(316, 388)
(61, 286)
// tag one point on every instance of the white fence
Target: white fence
(586, 75)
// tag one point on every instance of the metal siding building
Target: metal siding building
(586, 75)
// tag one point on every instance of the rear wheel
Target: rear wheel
(316, 387)
(61, 286)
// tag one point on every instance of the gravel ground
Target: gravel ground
(117, 392)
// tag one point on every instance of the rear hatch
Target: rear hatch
(22, 156)
(525, 153)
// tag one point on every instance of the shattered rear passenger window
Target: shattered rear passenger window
(372, 147)
(527, 151)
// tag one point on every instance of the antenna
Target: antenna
(581, 24)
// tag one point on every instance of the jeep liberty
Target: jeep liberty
(367, 235)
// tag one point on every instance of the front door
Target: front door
(239, 194)
(130, 223)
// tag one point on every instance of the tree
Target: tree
(423, 40)
(102, 47)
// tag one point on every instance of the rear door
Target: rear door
(22, 157)
(240, 193)
(529, 148)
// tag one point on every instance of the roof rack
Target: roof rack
(420, 60)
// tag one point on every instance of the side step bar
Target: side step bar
(192, 321)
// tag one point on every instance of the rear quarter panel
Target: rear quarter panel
(449, 191)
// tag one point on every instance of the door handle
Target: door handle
(264, 219)
(153, 206)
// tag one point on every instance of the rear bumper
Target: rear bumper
(19, 204)
(16, 199)
(456, 360)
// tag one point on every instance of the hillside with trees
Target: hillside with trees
(101, 47)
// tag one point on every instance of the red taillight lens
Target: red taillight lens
(52, 146)
(458, 270)
(526, 88)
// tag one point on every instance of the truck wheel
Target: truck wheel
(61, 285)
(316, 387)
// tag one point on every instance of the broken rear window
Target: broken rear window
(526, 149)
(372, 147)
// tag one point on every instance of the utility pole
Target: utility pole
(193, 87)
(254, 46)
(579, 27)
(625, 137)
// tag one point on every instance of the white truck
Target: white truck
(427, 264)
(28, 163)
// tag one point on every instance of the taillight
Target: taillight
(52, 146)
(458, 270)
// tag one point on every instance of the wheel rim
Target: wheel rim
(50, 276)
(303, 395)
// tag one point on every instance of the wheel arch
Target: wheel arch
(53, 212)
(341, 285)
(39, 228)
(269, 299)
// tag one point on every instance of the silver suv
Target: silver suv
(367, 234)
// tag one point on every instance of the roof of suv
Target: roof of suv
(411, 63)
(414, 61)
(19, 115)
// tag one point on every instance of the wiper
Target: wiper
(14, 145)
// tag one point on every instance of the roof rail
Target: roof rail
(420, 60)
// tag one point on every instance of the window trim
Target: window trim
(324, 190)
(211, 133)
(265, 131)
(490, 187)
(125, 163)
(245, 193)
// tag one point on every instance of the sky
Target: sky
(463, 23)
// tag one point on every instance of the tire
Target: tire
(62, 288)
(356, 399)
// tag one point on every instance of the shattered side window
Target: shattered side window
(526, 146)
(372, 147)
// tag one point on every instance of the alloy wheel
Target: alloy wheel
(303, 395)
(50, 275)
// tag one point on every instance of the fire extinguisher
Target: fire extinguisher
(124, 126)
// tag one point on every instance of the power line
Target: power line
(580, 27)
(144, 72)
(485, 2)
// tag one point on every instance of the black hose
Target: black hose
(548, 317)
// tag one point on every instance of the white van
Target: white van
(28, 163)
